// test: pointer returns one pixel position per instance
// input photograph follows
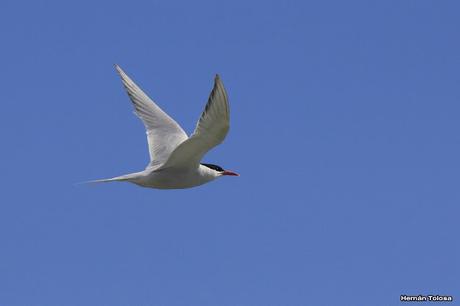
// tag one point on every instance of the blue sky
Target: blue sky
(344, 128)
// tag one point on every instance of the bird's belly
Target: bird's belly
(168, 179)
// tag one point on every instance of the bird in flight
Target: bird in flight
(175, 158)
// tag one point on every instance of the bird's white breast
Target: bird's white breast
(171, 178)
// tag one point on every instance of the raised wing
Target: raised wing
(210, 130)
(163, 133)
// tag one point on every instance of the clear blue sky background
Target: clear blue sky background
(345, 129)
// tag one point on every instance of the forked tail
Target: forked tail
(121, 178)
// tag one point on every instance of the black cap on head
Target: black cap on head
(214, 167)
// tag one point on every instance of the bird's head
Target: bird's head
(220, 171)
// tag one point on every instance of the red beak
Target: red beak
(227, 172)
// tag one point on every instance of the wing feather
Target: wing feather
(211, 129)
(163, 133)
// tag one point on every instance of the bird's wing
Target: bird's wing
(211, 129)
(163, 133)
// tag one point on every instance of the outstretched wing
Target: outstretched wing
(163, 133)
(211, 129)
